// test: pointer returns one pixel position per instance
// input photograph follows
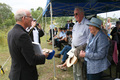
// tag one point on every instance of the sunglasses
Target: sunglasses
(29, 16)
(75, 14)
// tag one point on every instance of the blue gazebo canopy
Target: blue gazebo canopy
(91, 7)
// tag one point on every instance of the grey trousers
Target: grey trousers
(77, 71)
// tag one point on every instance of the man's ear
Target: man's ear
(23, 18)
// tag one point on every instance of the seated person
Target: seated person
(66, 48)
(59, 36)
(116, 36)
(62, 40)
(55, 31)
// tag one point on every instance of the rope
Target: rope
(2, 71)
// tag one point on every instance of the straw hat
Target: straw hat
(72, 59)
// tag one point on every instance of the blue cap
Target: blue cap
(51, 54)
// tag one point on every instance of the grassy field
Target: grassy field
(46, 71)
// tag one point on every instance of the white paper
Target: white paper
(37, 48)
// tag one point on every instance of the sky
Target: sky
(25, 4)
(28, 4)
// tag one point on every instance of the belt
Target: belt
(76, 46)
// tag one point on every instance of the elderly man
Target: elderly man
(24, 59)
(80, 35)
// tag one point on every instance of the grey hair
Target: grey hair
(18, 16)
(80, 9)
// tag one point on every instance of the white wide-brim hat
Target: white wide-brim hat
(72, 59)
(95, 22)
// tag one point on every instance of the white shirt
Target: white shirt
(80, 33)
(61, 34)
(64, 35)
(35, 35)
(52, 26)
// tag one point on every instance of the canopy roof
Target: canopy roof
(91, 7)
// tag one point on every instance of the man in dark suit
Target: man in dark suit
(67, 26)
(24, 59)
(35, 31)
(71, 23)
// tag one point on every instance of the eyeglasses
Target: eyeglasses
(29, 16)
(75, 14)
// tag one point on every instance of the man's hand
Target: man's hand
(33, 23)
(82, 53)
(46, 54)
(39, 26)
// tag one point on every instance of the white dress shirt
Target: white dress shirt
(80, 33)
(35, 35)
(52, 26)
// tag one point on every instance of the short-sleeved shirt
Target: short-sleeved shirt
(80, 33)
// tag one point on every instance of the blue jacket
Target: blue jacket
(96, 55)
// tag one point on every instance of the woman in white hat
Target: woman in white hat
(96, 51)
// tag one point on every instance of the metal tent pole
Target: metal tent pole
(45, 29)
(52, 42)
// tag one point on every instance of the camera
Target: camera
(37, 24)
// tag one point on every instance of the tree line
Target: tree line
(7, 17)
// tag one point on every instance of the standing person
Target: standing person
(24, 59)
(67, 26)
(51, 29)
(96, 51)
(71, 23)
(36, 32)
(80, 34)
(108, 26)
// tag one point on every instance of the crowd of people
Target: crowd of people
(73, 35)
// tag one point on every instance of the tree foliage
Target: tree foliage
(6, 16)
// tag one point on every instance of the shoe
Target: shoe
(62, 67)
(48, 40)
(59, 49)
(50, 43)
(62, 62)
(57, 55)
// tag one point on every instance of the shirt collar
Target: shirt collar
(82, 22)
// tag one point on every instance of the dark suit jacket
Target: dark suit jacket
(24, 60)
(41, 33)
(66, 26)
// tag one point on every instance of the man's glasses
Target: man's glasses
(29, 16)
(75, 14)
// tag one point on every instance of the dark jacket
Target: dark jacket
(24, 60)
(41, 33)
